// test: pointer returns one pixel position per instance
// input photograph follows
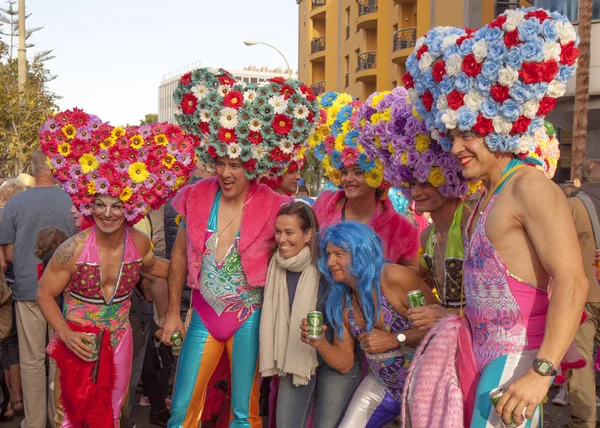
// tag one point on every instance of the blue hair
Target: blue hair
(364, 246)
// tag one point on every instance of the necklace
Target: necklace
(234, 216)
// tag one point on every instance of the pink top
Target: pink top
(400, 237)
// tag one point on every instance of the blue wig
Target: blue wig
(367, 264)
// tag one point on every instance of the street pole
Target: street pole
(22, 67)
(287, 64)
(582, 95)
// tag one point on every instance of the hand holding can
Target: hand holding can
(177, 342)
(415, 298)
(315, 325)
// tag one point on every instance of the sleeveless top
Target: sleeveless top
(84, 302)
(506, 314)
(390, 367)
(451, 290)
(225, 299)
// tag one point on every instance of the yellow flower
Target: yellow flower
(376, 99)
(137, 141)
(404, 158)
(377, 140)
(161, 140)
(387, 115)
(88, 163)
(422, 143)
(180, 180)
(335, 177)
(69, 131)
(436, 176)
(363, 122)
(64, 149)
(374, 178)
(313, 140)
(416, 113)
(138, 172)
(169, 160)
(375, 118)
(327, 166)
(178, 219)
(473, 186)
(339, 142)
(117, 132)
(360, 148)
(344, 98)
(126, 194)
(347, 126)
(91, 188)
(108, 142)
(391, 148)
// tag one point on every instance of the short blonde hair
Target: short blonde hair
(10, 188)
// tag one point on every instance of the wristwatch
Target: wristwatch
(544, 367)
(401, 339)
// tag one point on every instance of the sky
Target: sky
(111, 54)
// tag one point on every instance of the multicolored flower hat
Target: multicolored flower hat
(499, 81)
(336, 143)
(275, 177)
(264, 125)
(546, 153)
(142, 165)
(391, 130)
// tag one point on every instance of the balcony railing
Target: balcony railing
(502, 5)
(405, 38)
(318, 87)
(346, 80)
(366, 60)
(317, 44)
(318, 3)
(366, 6)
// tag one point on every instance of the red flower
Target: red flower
(408, 81)
(279, 156)
(498, 22)
(226, 80)
(79, 147)
(521, 125)
(286, 91)
(549, 70)
(439, 70)
(470, 66)
(233, 99)
(539, 14)
(569, 53)
(255, 137)
(483, 126)
(461, 39)
(282, 124)
(547, 104)
(277, 79)
(427, 100)
(531, 73)
(455, 99)
(250, 165)
(227, 136)
(189, 103)
(186, 79)
(306, 90)
(499, 93)
(204, 127)
(421, 51)
(511, 38)
(79, 118)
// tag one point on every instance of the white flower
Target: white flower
(552, 51)
(249, 95)
(286, 147)
(530, 109)
(556, 89)
(566, 32)
(234, 150)
(526, 144)
(442, 102)
(501, 126)
(413, 94)
(177, 109)
(480, 50)
(453, 65)
(228, 118)
(263, 83)
(419, 44)
(200, 90)
(299, 92)
(448, 41)
(255, 125)
(213, 70)
(507, 76)
(258, 151)
(435, 134)
(223, 89)
(473, 100)
(425, 61)
(450, 118)
(279, 103)
(300, 112)
(513, 19)
(205, 115)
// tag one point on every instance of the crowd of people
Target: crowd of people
(198, 232)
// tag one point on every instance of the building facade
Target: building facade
(249, 74)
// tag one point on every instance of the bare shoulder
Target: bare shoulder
(394, 276)
(70, 250)
(140, 239)
(531, 183)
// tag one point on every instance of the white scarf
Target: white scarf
(281, 350)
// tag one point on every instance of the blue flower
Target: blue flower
(428, 79)
(435, 47)
(511, 143)
(328, 98)
(510, 110)
(533, 51)
(535, 125)
(365, 163)
(430, 121)
(549, 31)
(483, 83)
(565, 73)
(463, 82)
(528, 29)
(520, 92)
(490, 70)
(411, 61)
(336, 128)
(496, 49)
(450, 50)
(539, 90)
(320, 152)
(492, 34)
(495, 142)
(489, 108)
(351, 138)
(466, 118)
(445, 143)
(344, 114)
(435, 91)
(420, 86)
(466, 47)
(336, 160)
(446, 85)
(514, 58)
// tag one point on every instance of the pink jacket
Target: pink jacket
(256, 235)
(400, 237)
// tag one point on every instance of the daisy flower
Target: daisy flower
(234, 151)
(126, 194)
(279, 103)
(249, 95)
(233, 99)
(200, 91)
(161, 139)
(282, 124)
(57, 161)
(137, 141)
(223, 90)
(64, 149)
(258, 151)
(70, 131)
(228, 119)
(255, 124)
(88, 162)
(138, 172)
(300, 112)
(102, 186)
(169, 160)
(286, 147)
(117, 132)
(169, 179)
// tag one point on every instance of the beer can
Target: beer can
(176, 342)
(495, 395)
(415, 298)
(315, 324)
(92, 344)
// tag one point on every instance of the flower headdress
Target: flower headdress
(391, 130)
(142, 165)
(546, 152)
(263, 125)
(336, 143)
(275, 178)
(499, 81)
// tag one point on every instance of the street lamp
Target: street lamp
(252, 43)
